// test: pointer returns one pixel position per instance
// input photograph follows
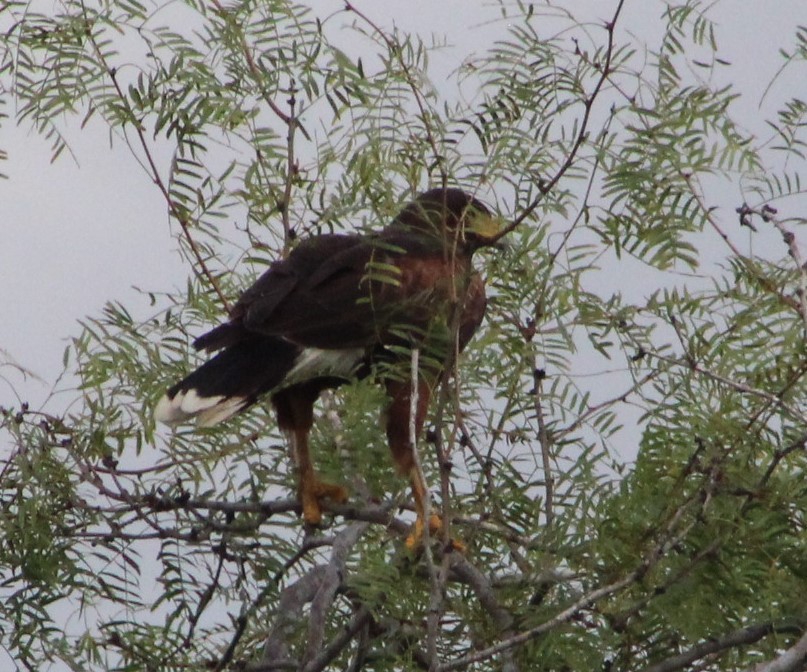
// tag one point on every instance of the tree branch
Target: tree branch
(792, 660)
(176, 213)
(332, 580)
(789, 237)
(334, 647)
(544, 441)
(563, 617)
(749, 635)
(582, 133)
(395, 51)
(289, 611)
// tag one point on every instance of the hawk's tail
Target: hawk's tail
(230, 382)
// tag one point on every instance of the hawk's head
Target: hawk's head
(452, 216)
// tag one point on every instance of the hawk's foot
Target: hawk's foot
(312, 492)
(415, 539)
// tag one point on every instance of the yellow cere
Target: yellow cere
(485, 226)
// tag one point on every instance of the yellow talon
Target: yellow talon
(415, 539)
(312, 492)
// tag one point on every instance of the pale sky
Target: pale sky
(86, 229)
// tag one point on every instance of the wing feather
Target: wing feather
(317, 297)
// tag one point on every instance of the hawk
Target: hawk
(345, 306)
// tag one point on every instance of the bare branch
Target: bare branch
(543, 440)
(332, 580)
(484, 592)
(333, 648)
(289, 611)
(582, 133)
(176, 213)
(792, 660)
(396, 52)
(667, 539)
(749, 635)
(793, 249)
(563, 617)
(749, 264)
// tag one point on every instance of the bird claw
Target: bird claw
(415, 539)
(313, 492)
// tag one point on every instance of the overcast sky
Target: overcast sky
(89, 227)
(86, 229)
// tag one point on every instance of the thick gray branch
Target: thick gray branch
(362, 617)
(333, 578)
(792, 660)
(484, 592)
(289, 612)
(747, 635)
(319, 587)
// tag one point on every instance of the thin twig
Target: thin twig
(793, 249)
(425, 540)
(258, 74)
(396, 52)
(582, 134)
(206, 598)
(749, 264)
(563, 617)
(773, 399)
(584, 206)
(596, 408)
(779, 455)
(184, 222)
(544, 441)
(667, 541)
(291, 170)
(483, 589)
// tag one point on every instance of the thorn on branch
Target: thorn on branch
(641, 354)
(528, 331)
(745, 214)
(109, 462)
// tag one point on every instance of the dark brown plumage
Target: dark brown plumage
(344, 306)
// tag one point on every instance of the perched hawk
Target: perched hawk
(342, 306)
